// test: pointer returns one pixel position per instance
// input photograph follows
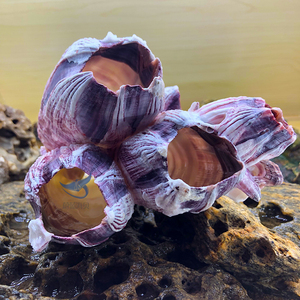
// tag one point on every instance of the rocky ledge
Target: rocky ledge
(231, 251)
(18, 145)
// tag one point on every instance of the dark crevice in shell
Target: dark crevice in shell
(224, 151)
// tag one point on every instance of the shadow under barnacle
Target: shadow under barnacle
(156, 228)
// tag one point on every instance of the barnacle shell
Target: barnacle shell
(79, 196)
(179, 165)
(259, 133)
(172, 98)
(188, 159)
(101, 91)
(113, 136)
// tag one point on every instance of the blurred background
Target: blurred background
(210, 49)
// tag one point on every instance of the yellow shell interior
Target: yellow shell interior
(71, 202)
(111, 73)
(198, 162)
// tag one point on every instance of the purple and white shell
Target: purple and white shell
(259, 133)
(114, 136)
(187, 160)
(78, 195)
(100, 92)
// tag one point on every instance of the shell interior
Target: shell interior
(71, 202)
(201, 159)
(122, 64)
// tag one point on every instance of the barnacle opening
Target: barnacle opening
(71, 202)
(200, 158)
(123, 64)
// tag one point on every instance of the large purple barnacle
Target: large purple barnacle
(114, 136)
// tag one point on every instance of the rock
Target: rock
(229, 235)
(279, 210)
(127, 266)
(17, 142)
(13, 294)
(289, 162)
(223, 253)
(4, 170)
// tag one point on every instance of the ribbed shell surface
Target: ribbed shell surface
(143, 159)
(92, 160)
(77, 109)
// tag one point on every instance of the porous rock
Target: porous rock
(231, 236)
(201, 256)
(4, 170)
(129, 265)
(18, 147)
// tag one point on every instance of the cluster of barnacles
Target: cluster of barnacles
(114, 136)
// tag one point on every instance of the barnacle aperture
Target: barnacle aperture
(110, 73)
(199, 158)
(179, 165)
(71, 202)
(115, 83)
(123, 64)
(78, 195)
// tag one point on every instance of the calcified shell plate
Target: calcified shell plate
(188, 159)
(259, 133)
(176, 166)
(114, 136)
(79, 196)
(102, 91)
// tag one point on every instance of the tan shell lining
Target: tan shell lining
(199, 158)
(69, 210)
(111, 73)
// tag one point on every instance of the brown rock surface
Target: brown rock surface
(229, 235)
(279, 210)
(17, 142)
(4, 170)
(289, 162)
(224, 253)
